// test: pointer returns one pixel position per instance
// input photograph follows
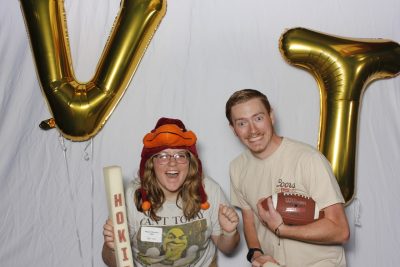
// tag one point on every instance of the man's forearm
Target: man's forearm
(333, 229)
(249, 229)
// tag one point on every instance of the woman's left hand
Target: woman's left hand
(228, 218)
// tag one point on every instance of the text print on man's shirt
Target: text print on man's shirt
(286, 187)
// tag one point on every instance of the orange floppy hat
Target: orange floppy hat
(169, 133)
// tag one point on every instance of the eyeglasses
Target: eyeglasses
(164, 158)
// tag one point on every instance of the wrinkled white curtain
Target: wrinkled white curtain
(53, 202)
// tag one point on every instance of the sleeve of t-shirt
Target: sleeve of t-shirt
(215, 197)
(237, 198)
(323, 187)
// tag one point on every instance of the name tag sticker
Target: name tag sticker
(151, 234)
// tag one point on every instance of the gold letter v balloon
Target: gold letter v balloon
(343, 68)
(81, 109)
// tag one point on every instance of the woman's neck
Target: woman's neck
(170, 196)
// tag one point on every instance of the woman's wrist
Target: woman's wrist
(232, 233)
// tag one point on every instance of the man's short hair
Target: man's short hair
(242, 96)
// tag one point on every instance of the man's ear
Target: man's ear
(272, 116)
(233, 129)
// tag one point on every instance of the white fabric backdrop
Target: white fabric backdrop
(53, 201)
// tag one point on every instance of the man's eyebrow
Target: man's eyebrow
(255, 115)
(239, 119)
(258, 114)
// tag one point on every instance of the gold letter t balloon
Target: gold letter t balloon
(81, 109)
(343, 68)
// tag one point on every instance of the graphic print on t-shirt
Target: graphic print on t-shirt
(171, 245)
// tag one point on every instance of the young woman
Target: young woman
(190, 211)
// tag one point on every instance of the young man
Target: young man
(273, 164)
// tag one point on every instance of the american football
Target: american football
(295, 209)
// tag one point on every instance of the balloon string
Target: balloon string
(71, 194)
(88, 157)
(357, 212)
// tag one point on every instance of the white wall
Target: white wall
(53, 203)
